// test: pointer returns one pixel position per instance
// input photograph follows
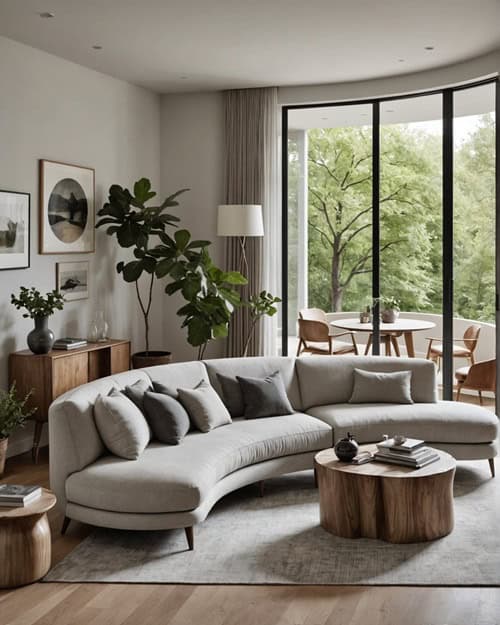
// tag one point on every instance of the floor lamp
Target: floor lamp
(242, 221)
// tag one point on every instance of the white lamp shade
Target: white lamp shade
(240, 220)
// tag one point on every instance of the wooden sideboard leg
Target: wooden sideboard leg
(190, 537)
(36, 441)
(65, 525)
(492, 466)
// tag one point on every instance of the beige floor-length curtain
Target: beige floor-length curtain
(250, 163)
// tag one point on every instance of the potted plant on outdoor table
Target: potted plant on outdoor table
(39, 307)
(389, 309)
(144, 229)
(13, 414)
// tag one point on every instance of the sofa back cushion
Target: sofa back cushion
(329, 380)
(176, 375)
(257, 367)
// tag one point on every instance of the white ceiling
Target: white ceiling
(189, 45)
(473, 101)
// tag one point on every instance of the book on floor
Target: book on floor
(18, 495)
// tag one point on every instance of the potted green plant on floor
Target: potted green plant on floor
(39, 307)
(141, 227)
(13, 414)
(261, 305)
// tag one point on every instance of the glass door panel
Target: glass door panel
(329, 212)
(474, 239)
(411, 220)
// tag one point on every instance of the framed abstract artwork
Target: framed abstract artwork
(14, 230)
(72, 280)
(67, 208)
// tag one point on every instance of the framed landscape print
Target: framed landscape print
(72, 280)
(14, 230)
(67, 211)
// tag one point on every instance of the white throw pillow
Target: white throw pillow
(205, 408)
(121, 424)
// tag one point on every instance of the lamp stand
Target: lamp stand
(243, 269)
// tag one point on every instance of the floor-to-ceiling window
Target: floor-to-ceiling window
(330, 176)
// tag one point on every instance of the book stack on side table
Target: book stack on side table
(69, 343)
(411, 453)
(18, 496)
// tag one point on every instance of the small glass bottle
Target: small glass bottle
(98, 330)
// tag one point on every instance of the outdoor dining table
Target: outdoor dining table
(389, 332)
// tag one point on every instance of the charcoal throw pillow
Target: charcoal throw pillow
(121, 424)
(205, 408)
(158, 387)
(264, 397)
(167, 417)
(374, 387)
(231, 395)
(135, 392)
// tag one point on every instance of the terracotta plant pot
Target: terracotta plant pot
(150, 359)
(3, 453)
(390, 315)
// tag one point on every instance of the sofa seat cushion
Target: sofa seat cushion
(177, 478)
(440, 422)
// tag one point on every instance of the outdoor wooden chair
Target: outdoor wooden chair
(316, 335)
(479, 377)
(469, 340)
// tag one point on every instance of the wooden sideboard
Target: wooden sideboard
(52, 374)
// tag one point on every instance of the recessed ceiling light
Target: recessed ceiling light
(324, 119)
(46, 14)
(401, 60)
(96, 47)
(429, 48)
(184, 77)
(389, 110)
(364, 114)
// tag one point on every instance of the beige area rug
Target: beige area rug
(277, 540)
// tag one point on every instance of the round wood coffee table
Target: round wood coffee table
(25, 547)
(387, 501)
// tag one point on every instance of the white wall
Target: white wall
(192, 141)
(54, 109)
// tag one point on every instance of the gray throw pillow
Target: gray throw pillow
(373, 387)
(158, 387)
(264, 397)
(231, 395)
(205, 408)
(122, 426)
(167, 418)
(135, 392)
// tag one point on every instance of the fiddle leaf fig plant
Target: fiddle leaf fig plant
(133, 223)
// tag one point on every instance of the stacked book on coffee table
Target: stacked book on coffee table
(411, 452)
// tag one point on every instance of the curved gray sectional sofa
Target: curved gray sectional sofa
(176, 486)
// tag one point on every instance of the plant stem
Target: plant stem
(249, 336)
(146, 309)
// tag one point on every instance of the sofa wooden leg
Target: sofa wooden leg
(492, 466)
(190, 537)
(261, 488)
(65, 525)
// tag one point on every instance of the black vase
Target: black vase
(41, 339)
(346, 448)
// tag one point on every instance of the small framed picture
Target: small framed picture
(72, 280)
(67, 211)
(14, 230)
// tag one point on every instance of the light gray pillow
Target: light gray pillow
(231, 395)
(264, 397)
(167, 417)
(135, 392)
(373, 387)
(206, 409)
(121, 424)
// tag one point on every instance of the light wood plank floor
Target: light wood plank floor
(125, 604)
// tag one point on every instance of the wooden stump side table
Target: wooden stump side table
(25, 544)
(387, 501)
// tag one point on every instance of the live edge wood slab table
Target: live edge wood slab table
(52, 374)
(25, 545)
(385, 501)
